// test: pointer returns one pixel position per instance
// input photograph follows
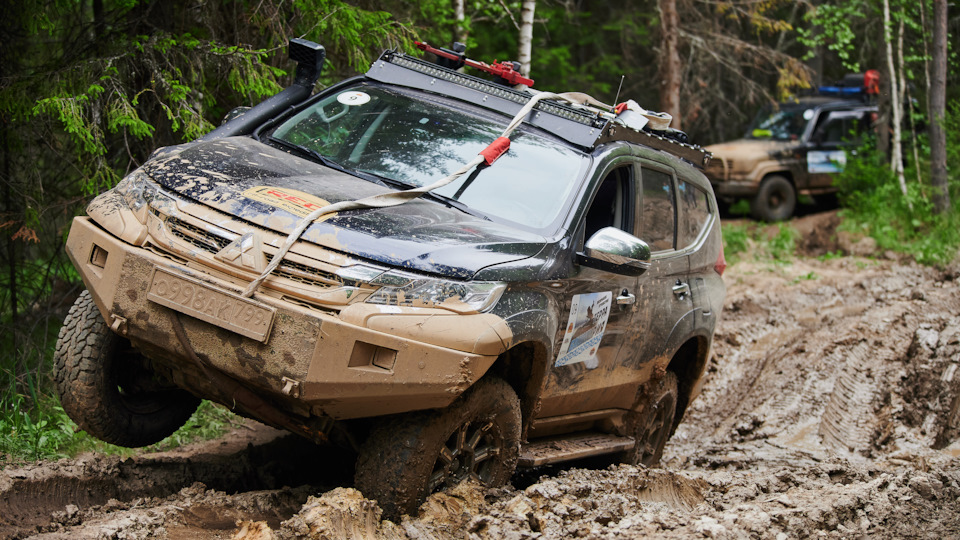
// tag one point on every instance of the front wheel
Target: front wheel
(651, 423)
(106, 386)
(775, 200)
(407, 457)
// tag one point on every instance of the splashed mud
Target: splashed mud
(831, 409)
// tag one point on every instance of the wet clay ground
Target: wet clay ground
(831, 409)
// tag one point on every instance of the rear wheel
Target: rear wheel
(107, 387)
(408, 457)
(775, 200)
(651, 423)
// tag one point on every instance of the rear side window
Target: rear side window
(695, 212)
(657, 210)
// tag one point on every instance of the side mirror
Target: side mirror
(613, 250)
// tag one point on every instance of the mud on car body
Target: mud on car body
(793, 148)
(557, 304)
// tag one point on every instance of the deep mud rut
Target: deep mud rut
(831, 409)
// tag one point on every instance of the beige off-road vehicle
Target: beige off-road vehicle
(363, 267)
(790, 150)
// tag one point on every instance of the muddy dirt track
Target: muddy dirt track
(831, 409)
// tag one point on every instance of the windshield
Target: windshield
(410, 139)
(780, 123)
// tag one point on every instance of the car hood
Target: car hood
(274, 189)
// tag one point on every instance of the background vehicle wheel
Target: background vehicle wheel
(106, 387)
(408, 457)
(775, 200)
(651, 424)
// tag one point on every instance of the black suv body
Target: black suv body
(555, 304)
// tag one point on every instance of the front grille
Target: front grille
(195, 236)
(309, 275)
(213, 243)
(716, 169)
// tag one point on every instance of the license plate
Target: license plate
(221, 308)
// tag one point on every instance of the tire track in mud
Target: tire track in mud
(260, 459)
(818, 419)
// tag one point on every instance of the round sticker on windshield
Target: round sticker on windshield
(353, 98)
(808, 114)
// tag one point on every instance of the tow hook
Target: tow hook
(118, 324)
(290, 387)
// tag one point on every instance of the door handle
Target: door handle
(626, 298)
(681, 289)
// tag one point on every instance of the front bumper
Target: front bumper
(360, 362)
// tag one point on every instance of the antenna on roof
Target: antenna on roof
(616, 99)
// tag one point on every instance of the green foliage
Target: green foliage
(36, 427)
(740, 208)
(26, 433)
(875, 206)
(832, 26)
(782, 246)
(756, 239)
(736, 241)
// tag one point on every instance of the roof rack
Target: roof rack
(582, 125)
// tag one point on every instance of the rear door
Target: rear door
(664, 291)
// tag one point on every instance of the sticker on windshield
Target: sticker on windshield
(296, 202)
(588, 320)
(353, 98)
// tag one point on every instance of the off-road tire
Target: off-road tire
(775, 200)
(651, 422)
(105, 387)
(403, 460)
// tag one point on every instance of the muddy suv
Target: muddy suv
(555, 303)
(790, 149)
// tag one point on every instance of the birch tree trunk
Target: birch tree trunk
(896, 102)
(670, 60)
(938, 102)
(460, 15)
(526, 36)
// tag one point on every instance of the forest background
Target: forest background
(89, 88)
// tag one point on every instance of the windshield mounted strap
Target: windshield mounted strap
(395, 198)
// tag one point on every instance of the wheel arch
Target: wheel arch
(524, 368)
(688, 363)
(785, 173)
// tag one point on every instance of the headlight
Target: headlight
(137, 190)
(461, 297)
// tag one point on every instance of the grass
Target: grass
(756, 240)
(875, 206)
(39, 429)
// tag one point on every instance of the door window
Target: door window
(657, 210)
(611, 205)
(695, 213)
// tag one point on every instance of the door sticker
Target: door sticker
(588, 320)
(826, 161)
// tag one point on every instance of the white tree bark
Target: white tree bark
(460, 14)
(896, 102)
(526, 36)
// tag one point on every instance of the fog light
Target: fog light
(370, 356)
(98, 257)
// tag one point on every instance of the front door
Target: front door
(597, 317)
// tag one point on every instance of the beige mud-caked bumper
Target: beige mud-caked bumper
(366, 360)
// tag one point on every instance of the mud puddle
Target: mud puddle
(831, 409)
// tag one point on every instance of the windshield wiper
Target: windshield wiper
(324, 160)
